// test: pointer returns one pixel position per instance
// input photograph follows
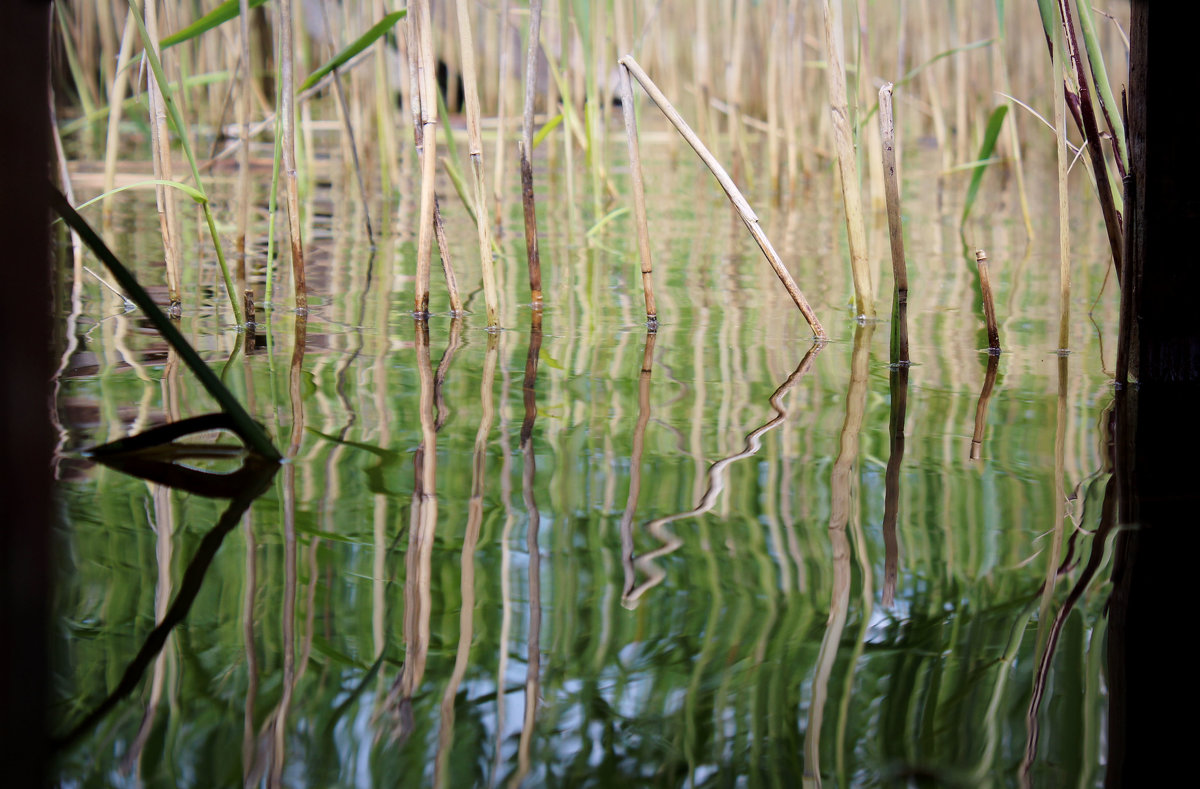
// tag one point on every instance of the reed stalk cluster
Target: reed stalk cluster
(798, 92)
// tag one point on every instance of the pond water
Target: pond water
(573, 552)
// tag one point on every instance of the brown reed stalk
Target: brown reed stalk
(735, 196)
(475, 152)
(860, 265)
(639, 195)
(891, 185)
(160, 138)
(527, 197)
(288, 122)
(1064, 230)
(989, 304)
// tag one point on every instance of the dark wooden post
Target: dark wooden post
(25, 435)
(1158, 448)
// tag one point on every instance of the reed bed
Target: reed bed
(952, 69)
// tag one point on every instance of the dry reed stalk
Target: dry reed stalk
(421, 54)
(989, 303)
(288, 122)
(1014, 141)
(891, 185)
(789, 89)
(164, 197)
(116, 100)
(961, 139)
(639, 195)
(527, 197)
(735, 196)
(733, 89)
(774, 82)
(389, 151)
(864, 296)
(1064, 230)
(501, 113)
(475, 152)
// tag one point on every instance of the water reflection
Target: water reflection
(672, 558)
(645, 563)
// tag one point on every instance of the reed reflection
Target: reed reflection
(669, 542)
(278, 719)
(466, 617)
(840, 490)
(898, 385)
(528, 473)
(418, 558)
(981, 408)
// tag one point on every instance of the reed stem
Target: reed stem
(735, 196)
(860, 265)
(891, 186)
(475, 151)
(291, 180)
(527, 197)
(421, 55)
(160, 141)
(639, 194)
(989, 304)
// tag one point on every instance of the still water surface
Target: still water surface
(572, 552)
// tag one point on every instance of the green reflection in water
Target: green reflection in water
(572, 552)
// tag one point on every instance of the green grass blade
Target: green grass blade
(994, 124)
(915, 70)
(250, 431)
(610, 216)
(1108, 103)
(358, 45)
(100, 113)
(191, 192)
(546, 129)
(1046, 9)
(218, 16)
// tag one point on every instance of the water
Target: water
(582, 554)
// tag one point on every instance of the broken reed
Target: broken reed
(989, 304)
(731, 191)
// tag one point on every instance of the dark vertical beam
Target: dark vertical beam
(1157, 459)
(1163, 144)
(25, 437)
